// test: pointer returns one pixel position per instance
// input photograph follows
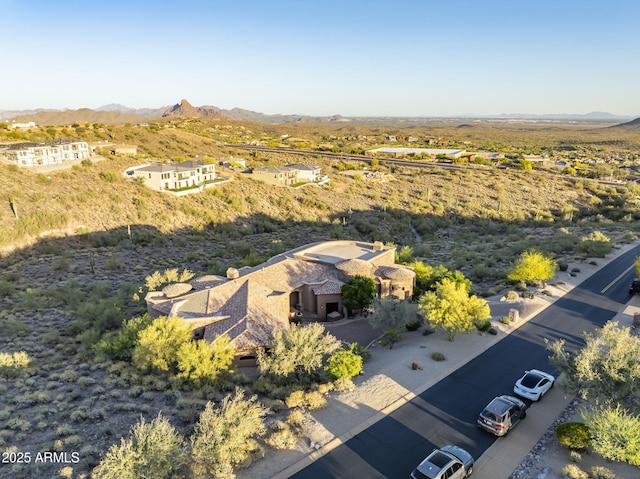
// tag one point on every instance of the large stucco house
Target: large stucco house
(249, 304)
(45, 153)
(174, 176)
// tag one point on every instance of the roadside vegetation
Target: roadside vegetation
(84, 368)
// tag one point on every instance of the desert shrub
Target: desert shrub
(391, 336)
(505, 320)
(483, 325)
(315, 400)
(158, 344)
(153, 449)
(574, 435)
(571, 471)
(595, 244)
(283, 438)
(492, 331)
(344, 363)
(438, 356)
(343, 384)
(13, 365)
(600, 472)
(575, 456)
(325, 388)
(295, 399)
(615, 433)
(512, 296)
(223, 437)
(413, 325)
(6, 289)
(563, 265)
(205, 363)
(18, 424)
(296, 418)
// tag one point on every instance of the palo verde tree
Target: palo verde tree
(451, 308)
(299, 348)
(203, 362)
(158, 344)
(358, 292)
(533, 266)
(595, 244)
(606, 369)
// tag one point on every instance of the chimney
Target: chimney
(232, 273)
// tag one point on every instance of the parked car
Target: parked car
(634, 287)
(534, 384)
(502, 414)
(449, 462)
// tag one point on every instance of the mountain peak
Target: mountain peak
(184, 108)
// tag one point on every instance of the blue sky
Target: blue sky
(355, 58)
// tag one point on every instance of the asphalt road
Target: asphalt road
(446, 412)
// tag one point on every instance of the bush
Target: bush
(295, 399)
(492, 331)
(574, 435)
(283, 438)
(483, 325)
(512, 296)
(505, 320)
(615, 433)
(361, 351)
(575, 456)
(296, 418)
(563, 265)
(571, 471)
(344, 363)
(315, 400)
(438, 356)
(413, 325)
(344, 384)
(599, 472)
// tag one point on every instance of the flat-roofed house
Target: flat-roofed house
(250, 304)
(53, 152)
(174, 176)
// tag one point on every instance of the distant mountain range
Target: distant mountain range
(118, 114)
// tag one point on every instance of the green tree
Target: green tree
(390, 313)
(153, 450)
(156, 280)
(358, 292)
(595, 244)
(636, 263)
(615, 433)
(223, 437)
(120, 344)
(606, 369)
(427, 276)
(159, 343)
(404, 255)
(451, 308)
(203, 362)
(344, 363)
(299, 348)
(533, 266)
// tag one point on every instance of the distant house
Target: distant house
(275, 175)
(289, 175)
(250, 304)
(123, 150)
(432, 152)
(234, 163)
(53, 152)
(187, 175)
(22, 126)
(306, 172)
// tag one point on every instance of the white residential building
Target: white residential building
(176, 175)
(53, 152)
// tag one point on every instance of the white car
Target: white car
(534, 384)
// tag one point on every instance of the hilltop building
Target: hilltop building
(189, 176)
(53, 152)
(289, 175)
(250, 304)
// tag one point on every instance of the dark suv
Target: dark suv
(635, 286)
(501, 414)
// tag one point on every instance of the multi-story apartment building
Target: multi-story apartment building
(54, 152)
